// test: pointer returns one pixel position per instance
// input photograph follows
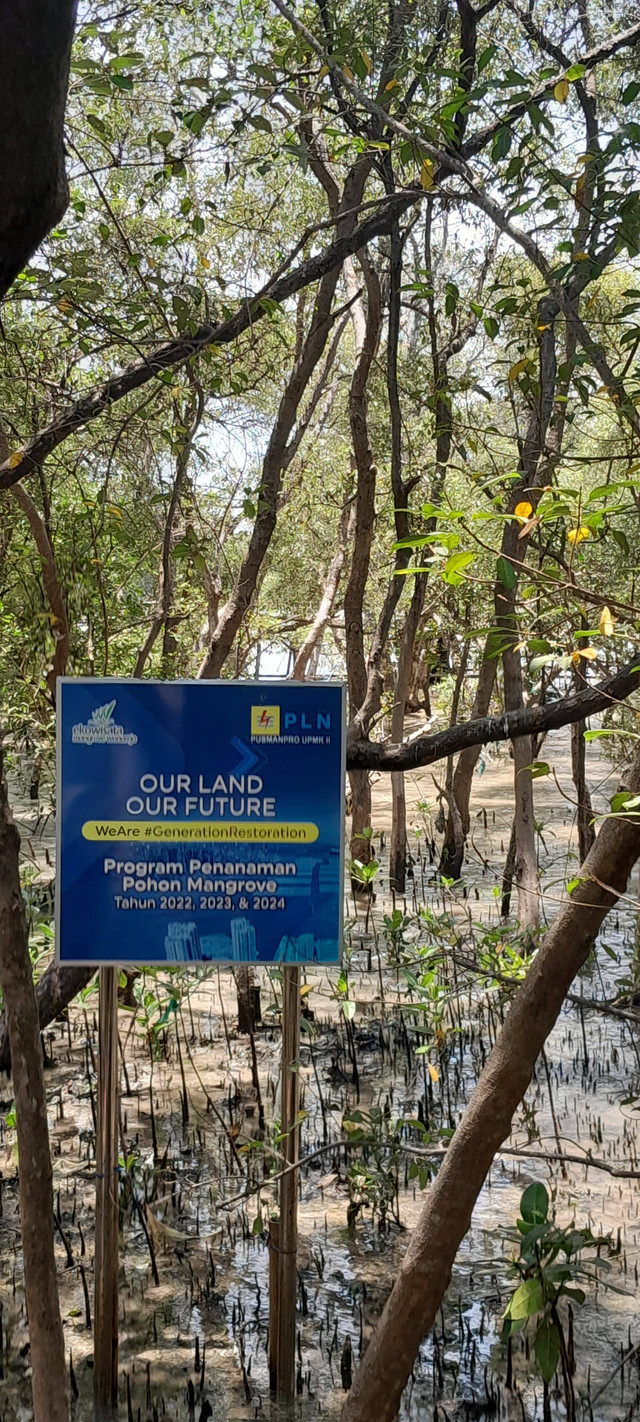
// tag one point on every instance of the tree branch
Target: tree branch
(383, 755)
(174, 353)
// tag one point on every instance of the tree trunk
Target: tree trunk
(366, 335)
(398, 844)
(452, 852)
(277, 454)
(36, 48)
(426, 1269)
(248, 993)
(54, 991)
(526, 861)
(50, 580)
(310, 648)
(36, 1177)
(186, 426)
(584, 814)
(51, 584)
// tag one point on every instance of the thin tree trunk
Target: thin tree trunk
(186, 427)
(398, 842)
(276, 457)
(36, 1178)
(367, 335)
(426, 1269)
(248, 995)
(50, 579)
(586, 831)
(453, 853)
(313, 640)
(526, 862)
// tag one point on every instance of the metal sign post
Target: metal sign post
(105, 1345)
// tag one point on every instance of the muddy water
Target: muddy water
(212, 1255)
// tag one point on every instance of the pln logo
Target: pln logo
(265, 720)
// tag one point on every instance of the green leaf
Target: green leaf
(534, 1205)
(501, 144)
(491, 327)
(616, 533)
(631, 92)
(538, 768)
(452, 571)
(527, 1300)
(506, 573)
(547, 1349)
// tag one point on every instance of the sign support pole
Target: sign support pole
(105, 1351)
(288, 1230)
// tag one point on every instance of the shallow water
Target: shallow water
(213, 1288)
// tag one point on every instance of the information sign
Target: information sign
(200, 821)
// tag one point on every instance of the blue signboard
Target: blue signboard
(199, 821)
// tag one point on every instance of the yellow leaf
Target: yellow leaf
(575, 659)
(433, 1072)
(65, 304)
(15, 459)
(581, 256)
(393, 84)
(523, 510)
(367, 61)
(204, 261)
(545, 328)
(589, 653)
(607, 623)
(324, 70)
(561, 91)
(347, 71)
(578, 535)
(427, 173)
(517, 369)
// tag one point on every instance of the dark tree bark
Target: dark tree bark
(584, 813)
(367, 335)
(426, 1269)
(36, 47)
(54, 991)
(425, 750)
(48, 1380)
(248, 997)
